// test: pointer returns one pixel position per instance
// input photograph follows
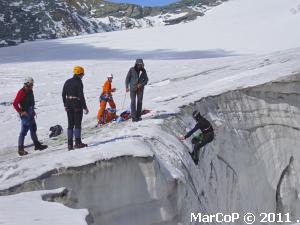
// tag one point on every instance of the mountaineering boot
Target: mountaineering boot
(194, 157)
(70, 139)
(79, 144)
(21, 151)
(70, 144)
(39, 146)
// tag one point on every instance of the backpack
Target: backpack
(55, 131)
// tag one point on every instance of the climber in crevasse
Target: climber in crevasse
(205, 137)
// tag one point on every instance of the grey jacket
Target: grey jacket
(133, 79)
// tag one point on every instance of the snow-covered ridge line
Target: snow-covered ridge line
(31, 20)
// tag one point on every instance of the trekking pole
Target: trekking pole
(124, 101)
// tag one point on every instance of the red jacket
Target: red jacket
(23, 101)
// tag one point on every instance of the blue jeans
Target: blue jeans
(28, 123)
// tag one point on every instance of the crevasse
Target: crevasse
(251, 166)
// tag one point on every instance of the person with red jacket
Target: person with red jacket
(24, 105)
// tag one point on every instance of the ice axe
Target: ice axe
(124, 101)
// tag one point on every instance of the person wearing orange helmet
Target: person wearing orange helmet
(75, 105)
(106, 97)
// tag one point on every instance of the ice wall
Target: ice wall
(252, 165)
(124, 190)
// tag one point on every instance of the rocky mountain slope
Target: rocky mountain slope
(28, 20)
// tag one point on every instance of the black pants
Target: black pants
(74, 118)
(74, 121)
(136, 107)
(207, 138)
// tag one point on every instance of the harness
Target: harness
(207, 129)
(200, 137)
(105, 97)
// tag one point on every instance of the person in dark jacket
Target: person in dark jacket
(135, 81)
(24, 105)
(74, 102)
(205, 137)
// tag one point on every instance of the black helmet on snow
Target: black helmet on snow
(196, 115)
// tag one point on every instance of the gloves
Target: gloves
(86, 111)
(181, 138)
(23, 114)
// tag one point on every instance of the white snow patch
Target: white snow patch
(14, 20)
(3, 42)
(29, 208)
(232, 27)
(171, 16)
(93, 11)
(16, 3)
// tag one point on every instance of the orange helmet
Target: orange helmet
(78, 70)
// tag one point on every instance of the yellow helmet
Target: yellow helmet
(78, 70)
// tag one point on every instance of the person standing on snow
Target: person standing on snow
(203, 138)
(106, 97)
(24, 105)
(135, 81)
(74, 102)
